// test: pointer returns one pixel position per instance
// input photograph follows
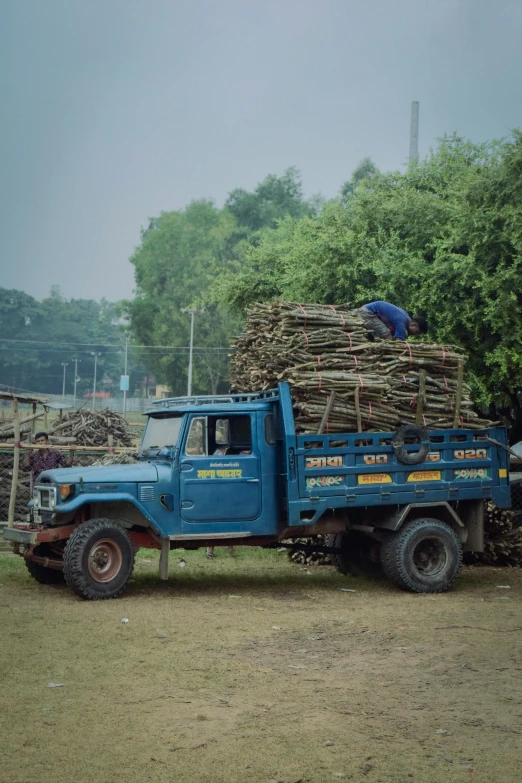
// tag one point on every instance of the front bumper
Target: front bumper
(17, 536)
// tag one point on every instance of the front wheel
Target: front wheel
(98, 560)
(424, 556)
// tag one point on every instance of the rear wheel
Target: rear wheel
(359, 554)
(98, 560)
(42, 573)
(424, 556)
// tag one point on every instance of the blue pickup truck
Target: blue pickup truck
(231, 470)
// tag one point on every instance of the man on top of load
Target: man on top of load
(387, 321)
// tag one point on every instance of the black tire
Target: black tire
(358, 555)
(411, 457)
(43, 574)
(424, 556)
(98, 560)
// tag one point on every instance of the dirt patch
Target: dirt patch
(252, 668)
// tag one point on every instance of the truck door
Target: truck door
(220, 477)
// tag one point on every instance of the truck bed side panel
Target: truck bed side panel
(343, 470)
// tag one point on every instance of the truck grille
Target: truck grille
(147, 494)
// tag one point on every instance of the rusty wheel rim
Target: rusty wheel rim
(105, 559)
(430, 557)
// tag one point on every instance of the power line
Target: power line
(60, 349)
(120, 347)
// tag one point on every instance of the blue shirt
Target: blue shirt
(393, 317)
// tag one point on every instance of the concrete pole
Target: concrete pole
(189, 385)
(16, 464)
(75, 380)
(94, 384)
(414, 133)
(64, 365)
(125, 373)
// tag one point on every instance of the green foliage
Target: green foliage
(273, 199)
(36, 339)
(445, 237)
(177, 263)
(181, 263)
(366, 172)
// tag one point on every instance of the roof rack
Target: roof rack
(217, 399)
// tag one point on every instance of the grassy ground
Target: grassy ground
(256, 669)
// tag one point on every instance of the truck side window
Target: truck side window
(270, 435)
(222, 432)
(197, 437)
(240, 435)
(229, 436)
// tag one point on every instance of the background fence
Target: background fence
(24, 484)
(133, 404)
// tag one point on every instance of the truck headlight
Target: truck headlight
(45, 497)
(66, 490)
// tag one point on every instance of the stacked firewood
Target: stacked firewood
(23, 489)
(502, 538)
(91, 428)
(377, 384)
(26, 425)
(115, 459)
(308, 558)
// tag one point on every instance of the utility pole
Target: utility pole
(76, 379)
(93, 353)
(192, 311)
(414, 133)
(64, 365)
(125, 373)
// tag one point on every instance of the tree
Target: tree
(37, 336)
(180, 256)
(181, 262)
(366, 171)
(445, 236)
(274, 198)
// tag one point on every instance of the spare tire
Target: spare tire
(411, 457)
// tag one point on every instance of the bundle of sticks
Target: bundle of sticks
(302, 557)
(502, 538)
(26, 425)
(375, 385)
(115, 459)
(91, 428)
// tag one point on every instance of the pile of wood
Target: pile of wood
(308, 558)
(23, 489)
(502, 538)
(26, 425)
(377, 385)
(91, 428)
(114, 459)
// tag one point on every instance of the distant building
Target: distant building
(99, 395)
(148, 389)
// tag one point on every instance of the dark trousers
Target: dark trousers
(374, 324)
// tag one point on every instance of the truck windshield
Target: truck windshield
(161, 431)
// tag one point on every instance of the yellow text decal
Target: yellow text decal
(425, 475)
(324, 462)
(374, 478)
(220, 474)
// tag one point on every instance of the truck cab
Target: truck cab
(217, 466)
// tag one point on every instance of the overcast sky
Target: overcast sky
(115, 110)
